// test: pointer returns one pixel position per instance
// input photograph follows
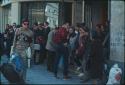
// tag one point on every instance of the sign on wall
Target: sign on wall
(5, 2)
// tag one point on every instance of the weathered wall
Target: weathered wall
(4, 17)
(1, 19)
(117, 31)
(78, 11)
(117, 35)
(15, 12)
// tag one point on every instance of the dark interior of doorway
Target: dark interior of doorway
(96, 12)
(68, 12)
(65, 12)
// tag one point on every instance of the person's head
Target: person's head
(102, 27)
(40, 25)
(25, 23)
(107, 23)
(98, 27)
(14, 24)
(56, 28)
(10, 28)
(83, 31)
(66, 25)
(46, 23)
(35, 24)
(18, 26)
(7, 26)
(71, 30)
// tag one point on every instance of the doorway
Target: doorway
(65, 13)
(96, 12)
(68, 12)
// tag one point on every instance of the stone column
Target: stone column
(83, 5)
(117, 31)
(117, 35)
(4, 17)
(15, 12)
(0, 19)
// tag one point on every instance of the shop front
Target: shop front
(55, 13)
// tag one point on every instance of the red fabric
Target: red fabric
(40, 40)
(81, 50)
(60, 36)
(118, 77)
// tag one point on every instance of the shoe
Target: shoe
(66, 77)
(37, 63)
(55, 75)
(81, 75)
(50, 70)
(85, 79)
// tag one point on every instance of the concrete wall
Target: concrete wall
(83, 5)
(15, 12)
(117, 29)
(117, 35)
(4, 17)
(0, 19)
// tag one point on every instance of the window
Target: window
(40, 12)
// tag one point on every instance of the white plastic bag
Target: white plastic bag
(29, 54)
(12, 49)
(61, 63)
(114, 75)
(36, 46)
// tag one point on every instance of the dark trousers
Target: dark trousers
(8, 47)
(42, 53)
(50, 60)
(39, 55)
(97, 60)
(61, 51)
(78, 60)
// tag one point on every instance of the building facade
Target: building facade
(54, 11)
(73, 11)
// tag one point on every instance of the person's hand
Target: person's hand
(81, 44)
(76, 52)
(65, 44)
(5, 35)
(68, 37)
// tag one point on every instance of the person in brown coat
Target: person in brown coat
(96, 65)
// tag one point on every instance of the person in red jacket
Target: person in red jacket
(60, 39)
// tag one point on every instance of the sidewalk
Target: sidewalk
(38, 74)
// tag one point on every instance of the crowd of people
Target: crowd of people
(84, 52)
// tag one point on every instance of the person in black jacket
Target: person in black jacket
(97, 61)
(1, 44)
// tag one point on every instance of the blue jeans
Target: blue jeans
(61, 51)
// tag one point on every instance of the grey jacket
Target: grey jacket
(50, 41)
